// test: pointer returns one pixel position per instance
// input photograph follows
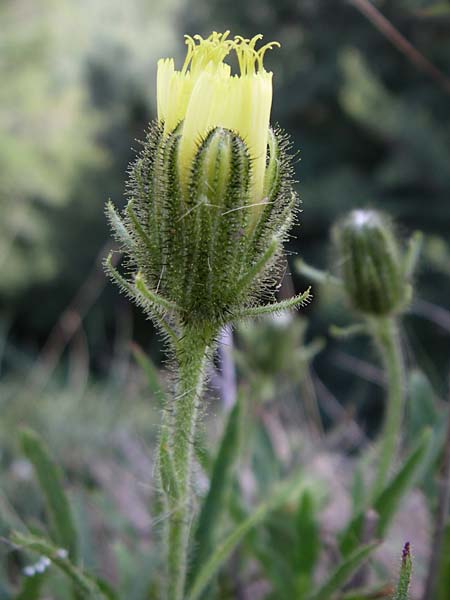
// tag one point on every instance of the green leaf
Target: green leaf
(151, 372)
(31, 588)
(358, 489)
(87, 586)
(215, 502)
(265, 463)
(277, 498)
(105, 588)
(422, 408)
(405, 576)
(307, 543)
(443, 582)
(49, 477)
(343, 572)
(387, 502)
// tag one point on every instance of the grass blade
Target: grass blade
(215, 502)
(49, 477)
(443, 582)
(31, 588)
(151, 372)
(343, 572)
(307, 546)
(279, 496)
(389, 499)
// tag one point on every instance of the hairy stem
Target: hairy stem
(385, 332)
(191, 358)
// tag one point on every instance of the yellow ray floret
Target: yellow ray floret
(205, 94)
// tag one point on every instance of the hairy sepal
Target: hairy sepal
(208, 249)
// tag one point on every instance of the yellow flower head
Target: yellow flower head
(205, 94)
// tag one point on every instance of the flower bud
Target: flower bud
(210, 194)
(218, 197)
(371, 263)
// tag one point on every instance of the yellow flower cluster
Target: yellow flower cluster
(205, 94)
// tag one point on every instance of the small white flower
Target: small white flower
(62, 553)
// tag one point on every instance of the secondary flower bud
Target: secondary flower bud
(371, 263)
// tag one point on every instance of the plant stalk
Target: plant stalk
(191, 358)
(386, 335)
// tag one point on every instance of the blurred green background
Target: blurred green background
(78, 89)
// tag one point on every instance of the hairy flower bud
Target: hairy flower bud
(210, 194)
(371, 263)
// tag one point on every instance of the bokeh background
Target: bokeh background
(371, 121)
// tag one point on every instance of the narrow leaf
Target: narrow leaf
(387, 502)
(214, 504)
(443, 581)
(307, 534)
(422, 408)
(49, 477)
(343, 573)
(151, 372)
(279, 496)
(31, 587)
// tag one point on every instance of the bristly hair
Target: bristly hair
(206, 253)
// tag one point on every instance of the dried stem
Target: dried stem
(398, 40)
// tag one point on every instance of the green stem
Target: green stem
(191, 358)
(385, 332)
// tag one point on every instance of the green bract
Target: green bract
(207, 255)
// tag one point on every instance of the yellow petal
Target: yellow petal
(205, 95)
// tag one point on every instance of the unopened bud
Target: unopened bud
(371, 263)
(210, 176)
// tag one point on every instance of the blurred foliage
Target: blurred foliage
(77, 88)
(289, 537)
(47, 138)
